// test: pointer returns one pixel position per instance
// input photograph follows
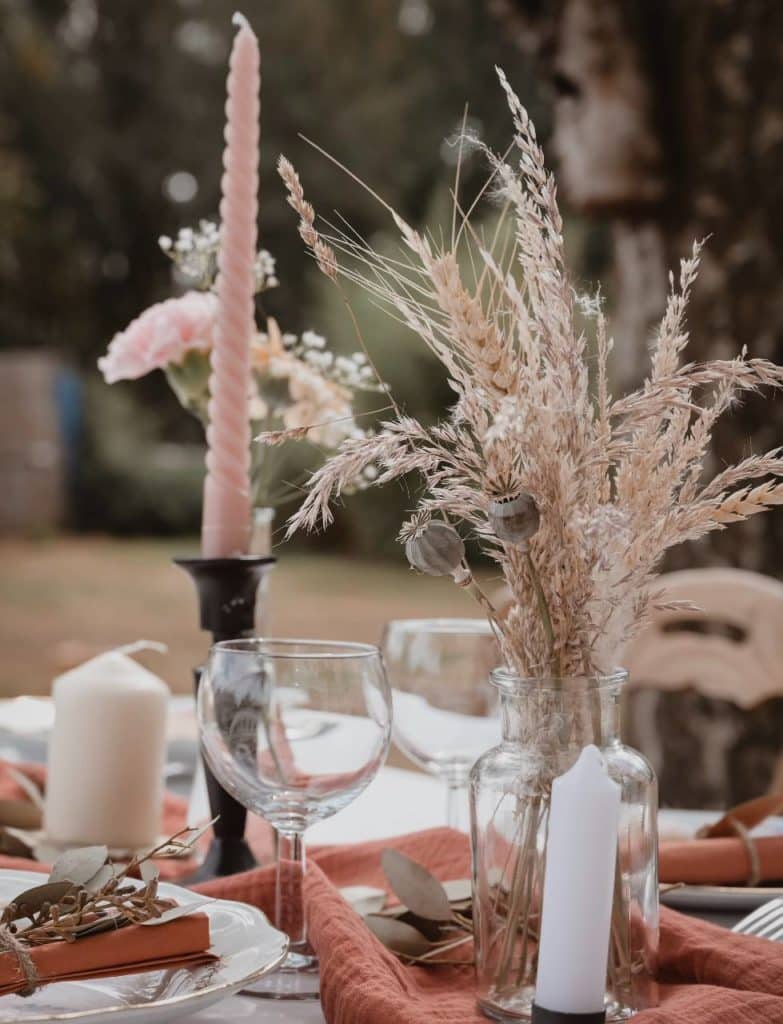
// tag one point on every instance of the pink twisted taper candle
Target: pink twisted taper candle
(225, 528)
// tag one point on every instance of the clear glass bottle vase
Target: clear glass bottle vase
(546, 723)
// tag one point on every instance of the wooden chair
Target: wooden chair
(705, 698)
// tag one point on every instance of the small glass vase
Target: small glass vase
(546, 724)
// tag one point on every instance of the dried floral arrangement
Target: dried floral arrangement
(575, 494)
(86, 894)
(296, 380)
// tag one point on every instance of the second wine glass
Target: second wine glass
(294, 730)
(445, 710)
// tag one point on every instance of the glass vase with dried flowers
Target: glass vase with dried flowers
(574, 494)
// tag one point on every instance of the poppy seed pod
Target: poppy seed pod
(514, 520)
(437, 550)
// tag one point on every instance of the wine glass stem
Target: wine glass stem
(457, 805)
(289, 896)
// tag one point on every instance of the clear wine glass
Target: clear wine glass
(294, 730)
(445, 709)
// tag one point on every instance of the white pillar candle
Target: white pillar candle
(578, 888)
(106, 755)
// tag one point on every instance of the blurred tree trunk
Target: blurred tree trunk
(668, 123)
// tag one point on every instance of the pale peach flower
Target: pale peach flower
(318, 403)
(163, 335)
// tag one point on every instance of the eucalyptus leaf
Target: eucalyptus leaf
(182, 910)
(33, 899)
(433, 930)
(398, 937)
(416, 887)
(148, 871)
(101, 878)
(396, 911)
(20, 814)
(79, 865)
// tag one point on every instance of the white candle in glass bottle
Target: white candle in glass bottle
(578, 891)
(106, 755)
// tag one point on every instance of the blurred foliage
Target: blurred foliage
(127, 482)
(111, 121)
(112, 113)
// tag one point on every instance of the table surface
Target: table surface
(395, 803)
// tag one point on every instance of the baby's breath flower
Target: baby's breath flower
(312, 340)
(195, 253)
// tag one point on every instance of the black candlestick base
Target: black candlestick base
(227, 856)
(227, 599)
(542, 1016)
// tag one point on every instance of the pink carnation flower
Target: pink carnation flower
(162, 335)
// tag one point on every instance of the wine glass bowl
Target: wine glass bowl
(445, 709)
(294, 730)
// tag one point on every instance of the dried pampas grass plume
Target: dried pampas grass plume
(614, 482)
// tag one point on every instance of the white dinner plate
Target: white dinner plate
(247, 944)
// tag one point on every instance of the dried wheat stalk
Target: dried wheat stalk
(617, 481)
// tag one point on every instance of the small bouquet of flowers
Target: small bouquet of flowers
(298, 385)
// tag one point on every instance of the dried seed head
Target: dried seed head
(514, 520)
(437, 550)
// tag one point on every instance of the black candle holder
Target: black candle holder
(540, 1015)
(226, 590)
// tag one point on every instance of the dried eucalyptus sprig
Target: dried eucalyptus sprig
(86, 893)
(432, 920)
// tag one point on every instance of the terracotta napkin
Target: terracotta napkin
(183, 941)
(721, 853)
(720, 861)
(709, 975)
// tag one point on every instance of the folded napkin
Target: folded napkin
(708, 974)
(721, 861)
(725, 852)
(183, 941)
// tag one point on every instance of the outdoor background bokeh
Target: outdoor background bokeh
(664, 122)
